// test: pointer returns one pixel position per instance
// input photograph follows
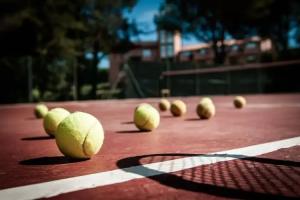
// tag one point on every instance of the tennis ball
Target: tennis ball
(239, 102)
(164, 105)
(206, 110)
(206, 100)
(178, 108)
(142, 104)
(40, 110)
(146, 117)
(53, 118)
(80, 135)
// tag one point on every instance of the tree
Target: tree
(50, 33)
(41, 27)
(277, 20)
(110, 30)
(202, 18)
(212, 21)
(54, 33)
(272, 19)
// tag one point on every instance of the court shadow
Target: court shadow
(169, 116)
(131, 132)
(38, 138)
(54, 160)
(193, 119)
(241, 178)
(129, 122)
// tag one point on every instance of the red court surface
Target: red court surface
(29, 156)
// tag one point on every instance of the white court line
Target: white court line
(56, 187)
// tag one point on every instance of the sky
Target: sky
(143, 14)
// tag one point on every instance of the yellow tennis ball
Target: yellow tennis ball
(80, 135)
(239, 102)
(178, 108)
(164, 105)
(142, 104)
(206, 100)
(206, 110)
(53, 118)
(146, 117)
(40, 110)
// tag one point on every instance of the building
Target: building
(169, 46)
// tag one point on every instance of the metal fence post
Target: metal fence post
(259, 80)
(197, 82)
(168, 77)
(75, 95)
(228, 82)
(29, 70)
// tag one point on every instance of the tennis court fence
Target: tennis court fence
(148, 79)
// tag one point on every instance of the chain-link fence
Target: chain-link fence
(186, 79)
